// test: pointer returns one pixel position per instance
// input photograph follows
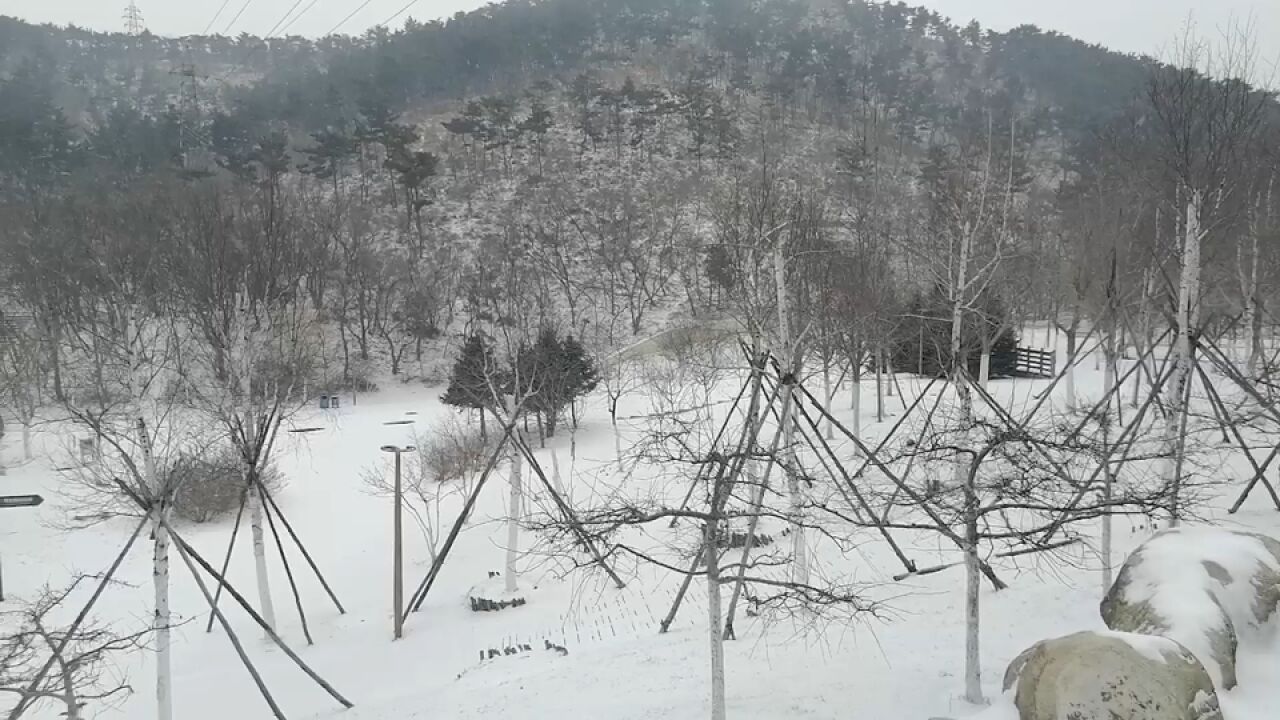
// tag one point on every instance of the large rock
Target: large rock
(1207, 588)
(1110, 676)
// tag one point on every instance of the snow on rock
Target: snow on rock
(1209, 589)
(1107, 675)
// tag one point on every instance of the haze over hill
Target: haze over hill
(1131, 26)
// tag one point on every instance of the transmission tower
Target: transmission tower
(133, 19)
(192, 136)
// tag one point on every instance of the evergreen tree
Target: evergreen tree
(581, 375)
(553, 372)
(475, 379)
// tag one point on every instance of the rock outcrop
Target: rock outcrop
(1209, 589)
(1110, 675)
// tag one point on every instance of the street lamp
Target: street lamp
(397, 580)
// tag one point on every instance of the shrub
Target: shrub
(451, 451)
(211, 484)
(928, 320)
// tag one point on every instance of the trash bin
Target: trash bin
(335, 402)
(324, 402)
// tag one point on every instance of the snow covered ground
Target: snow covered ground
(907, 665)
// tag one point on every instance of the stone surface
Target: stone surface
(1110, 675)
(1209, 589)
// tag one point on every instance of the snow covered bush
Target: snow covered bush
(451, 451)
(1210, 589)
(1105, 675)
(211, 484)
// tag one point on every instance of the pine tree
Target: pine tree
(581, 374)
(552, 374)
(476, 378)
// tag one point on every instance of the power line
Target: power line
(355, 12)
(402, 11)
(281, 20)
(295, 19)
(265, 38)
(244, 7)
(216, 16)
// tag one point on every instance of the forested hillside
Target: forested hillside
(548, 210)
(612, 153)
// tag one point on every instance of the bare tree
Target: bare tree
(22, 375)
(1203, 118)
(84, 659)
(238, 253)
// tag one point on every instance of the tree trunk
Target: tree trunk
(267, 608)
(800, 564)
(159, 577)
(514, 503)
(1187, 319)
(968, 481)
(856, 399)
(160, 580)
(984, 365)
(879, 386)
(891, 379)
(1253, 318)
(713, 623)
(55, 359)
(972, 605)
(68, 688)
(1108, 477)
(1146, 340)
(827, 392)
(1070, 379)
(26, 440)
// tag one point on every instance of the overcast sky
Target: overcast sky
(1144, 26)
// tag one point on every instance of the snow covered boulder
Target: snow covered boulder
(1209, 589)
(1110, 675)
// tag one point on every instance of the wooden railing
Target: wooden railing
(1036, 363)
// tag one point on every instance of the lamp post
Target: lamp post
(397, 579)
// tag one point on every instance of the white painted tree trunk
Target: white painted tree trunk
(791, 355)
(515, 502)
(617, 445)
(1251, 319)
(1144, 343)
(889, 377)
(713, 624)
(967, 480)
(1069, 380)
(856, 402)
(984, 368)
(879, 386)
(1187, 319)
(828, 393)
(555, 471)
(266, 606)
(1108, 487)
(159, 579)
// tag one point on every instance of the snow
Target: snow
(908, 665)
(1173, 575)
(1164, 564)
(1149, 646)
